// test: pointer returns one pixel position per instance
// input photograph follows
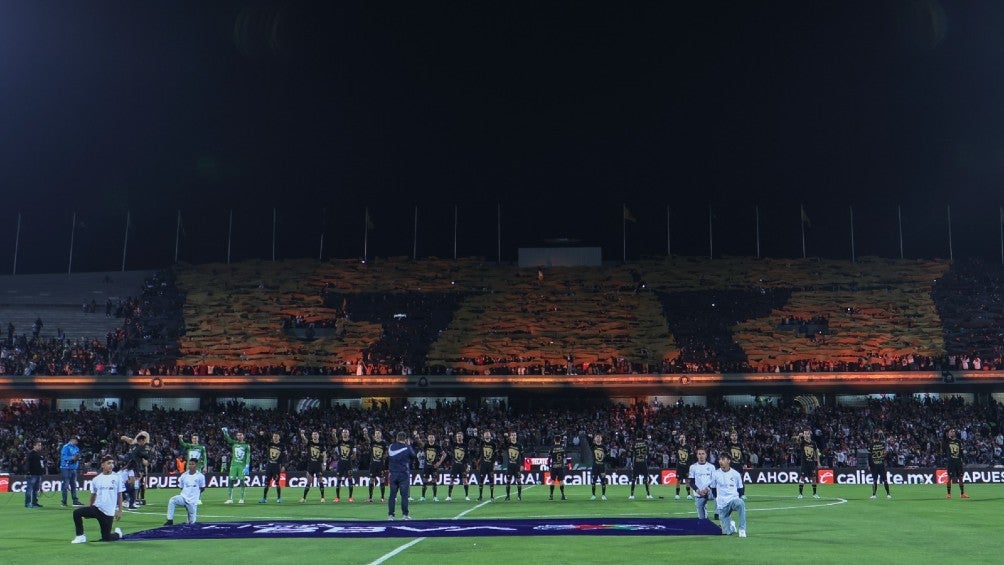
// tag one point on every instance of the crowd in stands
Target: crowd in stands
(968, 298)
(914, 430)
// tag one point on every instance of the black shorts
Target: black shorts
(486, 469)
(682, 474)
(878, 471)
(459, 471)
(314, 468)
(599, 473)
(557, 474)
(809, 472)
(513, 470)
(344, 468)
(272, 470)
(377, 469)
(955, 469)
(639, 470)
(429, 475)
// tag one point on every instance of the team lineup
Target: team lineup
(485, 460)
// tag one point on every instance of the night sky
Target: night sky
(560, 111)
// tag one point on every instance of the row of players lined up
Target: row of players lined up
(477, 457)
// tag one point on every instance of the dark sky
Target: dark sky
(560, 111)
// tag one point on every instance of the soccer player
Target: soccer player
(877, 454)
(953, 454)
(106, 503)
(727, 488)
(808, 454)
(194, 450)
(346, 451)
(458, 469)
(600, 455)
(737, 456)
(275, 457)
(317, 460)
(700, 475)
(684, 458)
(140, 456)
(401, 456)
(69, 464)
(240, 464)
(378, 462)
(556, 462)
(514, 457)
(486, 466)
(192, 483)
(434, 457)
(639, 464)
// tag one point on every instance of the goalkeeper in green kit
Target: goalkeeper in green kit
(240, 464)
(194, 450)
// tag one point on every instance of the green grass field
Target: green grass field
(917, 526)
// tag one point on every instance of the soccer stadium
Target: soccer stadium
(305, 282)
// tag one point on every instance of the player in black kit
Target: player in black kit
(486, 466)
(639, 464)
(275, 458)
(514, 456)
(953, 462)
(346, 451)
(600, 455)
(556, 462)
(378, 462)
(684, 458)
(434, 457)
(808, 455)
(877, 454)
(458, 470)
(317, 459)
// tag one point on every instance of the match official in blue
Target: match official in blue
(401, 456)
(727, 486)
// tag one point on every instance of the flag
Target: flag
(628, 216)
(805, 217)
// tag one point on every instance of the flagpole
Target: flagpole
(624, 233)
(669, 242)
(951, 252)
(324, 228)
(17, 242)
(230, 233)
(73, 232)
(853, 257)
(414, 245)
(455, 224)
(711, 235)
(899, 214)
(756, 212)
(801, 222)
(125, 243)
(366, 232)
(177, 236)
(275, 227)
(499, 231)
